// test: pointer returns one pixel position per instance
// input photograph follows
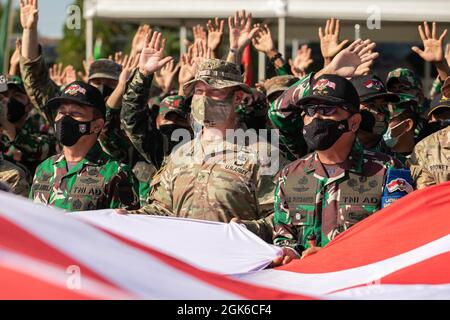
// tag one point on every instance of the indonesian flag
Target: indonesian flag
(400, 252)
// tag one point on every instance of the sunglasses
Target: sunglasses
(322, 109)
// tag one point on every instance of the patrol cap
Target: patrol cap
(405, 76)
(334, 90)
(438, 102)
(11, 82)
(407, 104)
(80, 93)
(173, 105)
(218, 74)
(104, 68)
(279, 83)
(371, 87)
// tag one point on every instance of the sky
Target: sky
(52, 14)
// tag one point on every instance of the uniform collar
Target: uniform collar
(354, 162)
(93, 157)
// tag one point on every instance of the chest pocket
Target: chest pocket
(300, 195)
(42, 188)
(88, 192)
(360, 196)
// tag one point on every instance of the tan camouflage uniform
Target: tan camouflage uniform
(430, 160)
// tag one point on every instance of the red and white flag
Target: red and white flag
(401, 252)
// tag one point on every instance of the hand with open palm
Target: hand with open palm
(152, 56)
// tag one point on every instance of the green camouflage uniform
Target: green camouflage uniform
(308, 201)
(32, 143)
(408, 103)
(410, 79)
(96, 182)
(14, 177)
(135, 120)
(286, 117)
(430, 160)
(38, 85)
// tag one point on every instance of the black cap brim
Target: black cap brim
(327, 99)
(54, 103)
(389, 97)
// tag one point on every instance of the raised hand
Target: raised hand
(329, 39)
(129, 63)
(346, 62)
(165, 77)
(241, 31)
(301, 61)
(56, 73)
(86, 65)
(215, 33)
(152, 56)
(263, 41)
(199, 33)
(69, 74)
(29, 14)
(433, 46)
(138, 40)
(14, 62)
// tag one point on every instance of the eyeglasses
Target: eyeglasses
(322, 109)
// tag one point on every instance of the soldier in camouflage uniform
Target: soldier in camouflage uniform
(324, 193)
(82, 177)
(374, 99)
(211, 178)
(25, 138)
(14, 177)
(430, 160)
(403, 120)
(403, 80)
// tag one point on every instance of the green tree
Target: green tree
(116, 36)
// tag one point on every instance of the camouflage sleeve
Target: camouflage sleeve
(420, 174)
(38, 85)
(436, 87)
(285, 233)
(15, 178)
(286, 117)
(160, 198)
(123, 190)
(112, 140)
(34, 146)
(135, 116)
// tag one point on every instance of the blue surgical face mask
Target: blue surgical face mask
(389, 139)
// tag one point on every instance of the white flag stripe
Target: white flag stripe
(323, 283)
(395, 292)
(234, 250)
(126, 267)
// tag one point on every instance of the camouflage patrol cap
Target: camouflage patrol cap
(405, 76)
(218, 74)
(408, 103)
(105, 68)
(12, 82)
(174, 105)
(279, 83)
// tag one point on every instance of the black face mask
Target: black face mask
(69, 131)
(322, 134)
(16, 110)
(105, 90)
(367, 121)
